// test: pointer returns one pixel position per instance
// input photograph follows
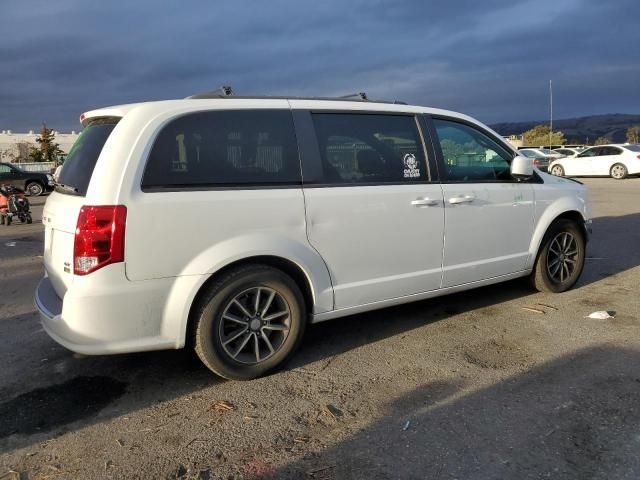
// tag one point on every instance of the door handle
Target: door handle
(423, 202)
(461, 199)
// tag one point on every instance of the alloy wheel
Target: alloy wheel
(255, 324)
(618, 171)
(562, 257)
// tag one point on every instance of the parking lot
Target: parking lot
(499, 382)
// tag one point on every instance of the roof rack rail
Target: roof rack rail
(222, 92)
(355, 96)
(226, 91)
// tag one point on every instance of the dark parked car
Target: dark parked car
(35, 183)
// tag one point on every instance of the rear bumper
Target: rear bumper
(98, 325)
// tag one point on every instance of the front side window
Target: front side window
(369, 148)
(592, 152)
(470, 155)
(225, 149)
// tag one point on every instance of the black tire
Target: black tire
(545, 277)
(35, 189)
(618, 171)
(557, 170)
(29, 219)
(219, 297)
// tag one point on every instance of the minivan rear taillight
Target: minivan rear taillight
(99, 238)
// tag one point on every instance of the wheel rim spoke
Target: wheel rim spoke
(256, 347)
(267, 342)
(269, 301)
(241, 307)
(273, 316)
(278, 328)
(235, 337)
(234, 319)
(245, 340)
(256, 308)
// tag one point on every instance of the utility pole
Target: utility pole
(550, 112)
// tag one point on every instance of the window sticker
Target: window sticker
(411, 169)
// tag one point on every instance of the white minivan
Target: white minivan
(227, 224)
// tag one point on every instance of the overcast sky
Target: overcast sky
(487, 58)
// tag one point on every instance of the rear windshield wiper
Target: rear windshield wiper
(62, 188)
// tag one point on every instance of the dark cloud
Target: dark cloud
(491, 59)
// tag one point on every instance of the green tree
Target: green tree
(539, 136)
(602, 141)
(47, 149)
(633, 134)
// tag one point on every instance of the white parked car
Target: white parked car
(617, 161)
(542, 157)
(227, 224)
(568, 151)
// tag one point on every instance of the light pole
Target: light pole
(550, 112)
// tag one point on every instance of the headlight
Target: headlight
(50, 178)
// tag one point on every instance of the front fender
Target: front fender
(548, 210)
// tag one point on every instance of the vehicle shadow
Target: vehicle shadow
(613, 247)
(575, 417)
(42, 396)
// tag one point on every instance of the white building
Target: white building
(15, 145)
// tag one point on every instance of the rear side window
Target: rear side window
(78, 167)
(368, 148)
(225, 149)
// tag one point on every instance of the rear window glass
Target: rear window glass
(225, 149)
(633, 148)
(78, 167)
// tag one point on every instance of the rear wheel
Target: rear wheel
(557, 170)
(249, 322)
(35, 189)
(618, 171)
(560, 259)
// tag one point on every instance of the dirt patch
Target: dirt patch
(498, 355)
(43, 409)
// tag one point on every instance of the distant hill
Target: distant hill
(579, 130)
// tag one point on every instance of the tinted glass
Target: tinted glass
(592, 152)
(5, 169)
(546, 151)
(82, 158)
(471, 155)
(368, 148)
(225, 148)
(527, 153)
(633, 148)
(611, 151)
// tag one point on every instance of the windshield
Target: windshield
(546, 151)
(78, 167)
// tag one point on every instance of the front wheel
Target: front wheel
(618, 171)
(560, 259)
(249, 322)
(557, 170)
(35, 189)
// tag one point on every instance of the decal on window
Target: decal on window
(411, 169)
